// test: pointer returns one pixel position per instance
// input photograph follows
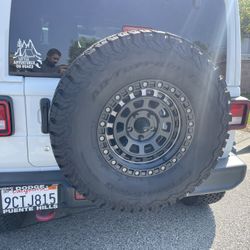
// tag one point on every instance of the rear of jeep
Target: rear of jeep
(130, 102)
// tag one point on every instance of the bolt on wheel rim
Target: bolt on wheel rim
(140, 125)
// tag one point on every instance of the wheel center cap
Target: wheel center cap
(142, 125)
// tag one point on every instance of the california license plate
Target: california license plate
(29, 198)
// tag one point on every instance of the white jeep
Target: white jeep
(123, 104)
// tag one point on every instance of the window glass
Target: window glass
(46, 36)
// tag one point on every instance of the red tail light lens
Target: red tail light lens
(127, 28)
(239, 112)
(5, 118)
(79, 196)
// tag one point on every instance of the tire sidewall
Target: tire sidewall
(94, 171)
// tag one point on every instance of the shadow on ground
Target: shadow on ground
(176, 227)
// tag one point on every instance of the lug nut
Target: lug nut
(189, 137)
(102, 124)
(145, 84)
(172, 90)
(129, 129)
(182, 99)
(117, 97)
(137, 173)
(150, 172)
(141, 137)
(163, 168)
(159, 84)
(130, 88)
(124, 170)
(102, 138)
(105, 151)
(113, 162)
(108, 109)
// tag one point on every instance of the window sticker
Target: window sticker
(26, 56)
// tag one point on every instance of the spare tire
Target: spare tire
(139, 120)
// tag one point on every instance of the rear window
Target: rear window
(46, 36)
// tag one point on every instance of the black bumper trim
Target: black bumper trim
(29, 178)
(228, 173)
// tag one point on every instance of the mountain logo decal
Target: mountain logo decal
(26, 56)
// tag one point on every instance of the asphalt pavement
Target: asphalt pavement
(224, 225)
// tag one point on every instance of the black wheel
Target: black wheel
(202, 200)
(10, 222)
(139, 120)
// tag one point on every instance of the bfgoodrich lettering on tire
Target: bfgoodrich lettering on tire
(139, 120)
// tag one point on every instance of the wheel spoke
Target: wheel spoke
(141, 149)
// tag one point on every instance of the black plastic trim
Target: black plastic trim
(45, 107)
(228, 173)
(32, 178)
(221, 179)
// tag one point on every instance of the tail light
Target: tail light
(6, 121)
(127, 28)
(79, 196)
(239, 111)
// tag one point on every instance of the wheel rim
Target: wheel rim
(140, 130)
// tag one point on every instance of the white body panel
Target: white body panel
(28, 147)
(13, 149)
(233, 71)
(40, 153)
(233, 48)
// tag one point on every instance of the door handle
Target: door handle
(45, 107)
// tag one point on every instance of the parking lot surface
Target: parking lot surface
(224, 225)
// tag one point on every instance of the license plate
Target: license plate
(29, 198)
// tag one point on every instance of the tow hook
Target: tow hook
(45, 216)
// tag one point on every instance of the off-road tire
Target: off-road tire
(9, 222)
(203, 200)
(88, 95)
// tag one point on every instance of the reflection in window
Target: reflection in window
(77, 25)
(44, 32)
(79, 46)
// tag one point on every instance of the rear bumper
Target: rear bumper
(228, 173)
(66, 193)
